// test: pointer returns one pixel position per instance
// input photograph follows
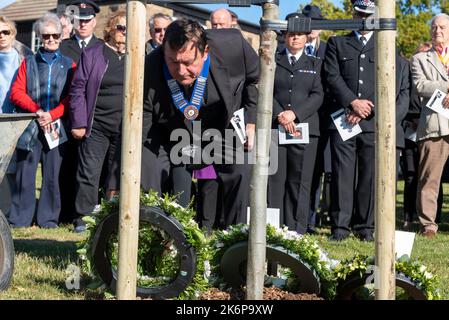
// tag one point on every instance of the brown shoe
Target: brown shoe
(429, 234)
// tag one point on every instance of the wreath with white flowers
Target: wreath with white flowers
(302, 246)
(161, 268)
(158, 260)
(409, 273)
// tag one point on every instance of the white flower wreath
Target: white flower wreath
(305, 247)
(209, 253)
(412, 269)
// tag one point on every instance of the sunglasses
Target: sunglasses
(159, 30)
(120, 28)
(47, 36)
(5, 32)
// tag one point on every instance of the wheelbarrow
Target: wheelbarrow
(11, 127)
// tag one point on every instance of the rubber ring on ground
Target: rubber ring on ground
(233, 266)
(354, 281)
(158, 218)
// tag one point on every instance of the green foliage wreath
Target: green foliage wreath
(305, 247)
(209, 251)
(413, 269)
(162, 268)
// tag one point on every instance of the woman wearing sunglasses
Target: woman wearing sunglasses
(96, 99)
(41, 87)
(12, 52)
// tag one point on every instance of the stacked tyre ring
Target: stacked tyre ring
(232, 262)
(347, 289)
(6, 253)
(156, 217)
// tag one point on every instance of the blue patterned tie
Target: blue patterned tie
(309, 50)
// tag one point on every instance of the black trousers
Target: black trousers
(322, 166)
(224, 201)
(352, 185)
(24, 192)
(158, 175)
(289, 187)
(232, 184)
(67, 180)
(92, 153)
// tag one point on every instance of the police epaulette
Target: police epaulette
(307, 71)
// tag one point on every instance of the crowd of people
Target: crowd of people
(199, 120)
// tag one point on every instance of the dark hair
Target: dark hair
(182, 31)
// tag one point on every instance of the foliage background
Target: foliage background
(413, 17)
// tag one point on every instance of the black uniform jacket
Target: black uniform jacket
(298, 89)
(350, 74)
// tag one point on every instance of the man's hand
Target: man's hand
(79, 133)
(353, 118)
(250, 132)
(362, 107)
(44, 118)
(291, 128)
(286, 117)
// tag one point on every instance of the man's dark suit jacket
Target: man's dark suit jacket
(234, 69)
(403, 91)
(349, 72)
(70, 47)
(298, 89)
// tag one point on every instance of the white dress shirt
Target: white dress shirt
(297, 56)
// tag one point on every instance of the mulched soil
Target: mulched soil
(273, 293)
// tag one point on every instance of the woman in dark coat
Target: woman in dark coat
(96, 99)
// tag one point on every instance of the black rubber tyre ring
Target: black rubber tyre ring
(233, 266)
(158, 218)
(347, 288)
(6, 253)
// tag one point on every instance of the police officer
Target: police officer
(298, 94)
(350, 77)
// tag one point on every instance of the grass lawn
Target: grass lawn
(42, 257)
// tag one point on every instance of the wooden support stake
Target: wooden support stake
(258, 187)
(131, 150)
(385, 108)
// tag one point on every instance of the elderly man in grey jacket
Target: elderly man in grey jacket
(430, 71)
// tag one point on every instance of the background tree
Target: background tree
(412, 16)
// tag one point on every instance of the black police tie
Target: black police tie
(293, 60)
(363, 40)
(83, 45)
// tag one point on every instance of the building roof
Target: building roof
(205, 14)
(24, 10)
